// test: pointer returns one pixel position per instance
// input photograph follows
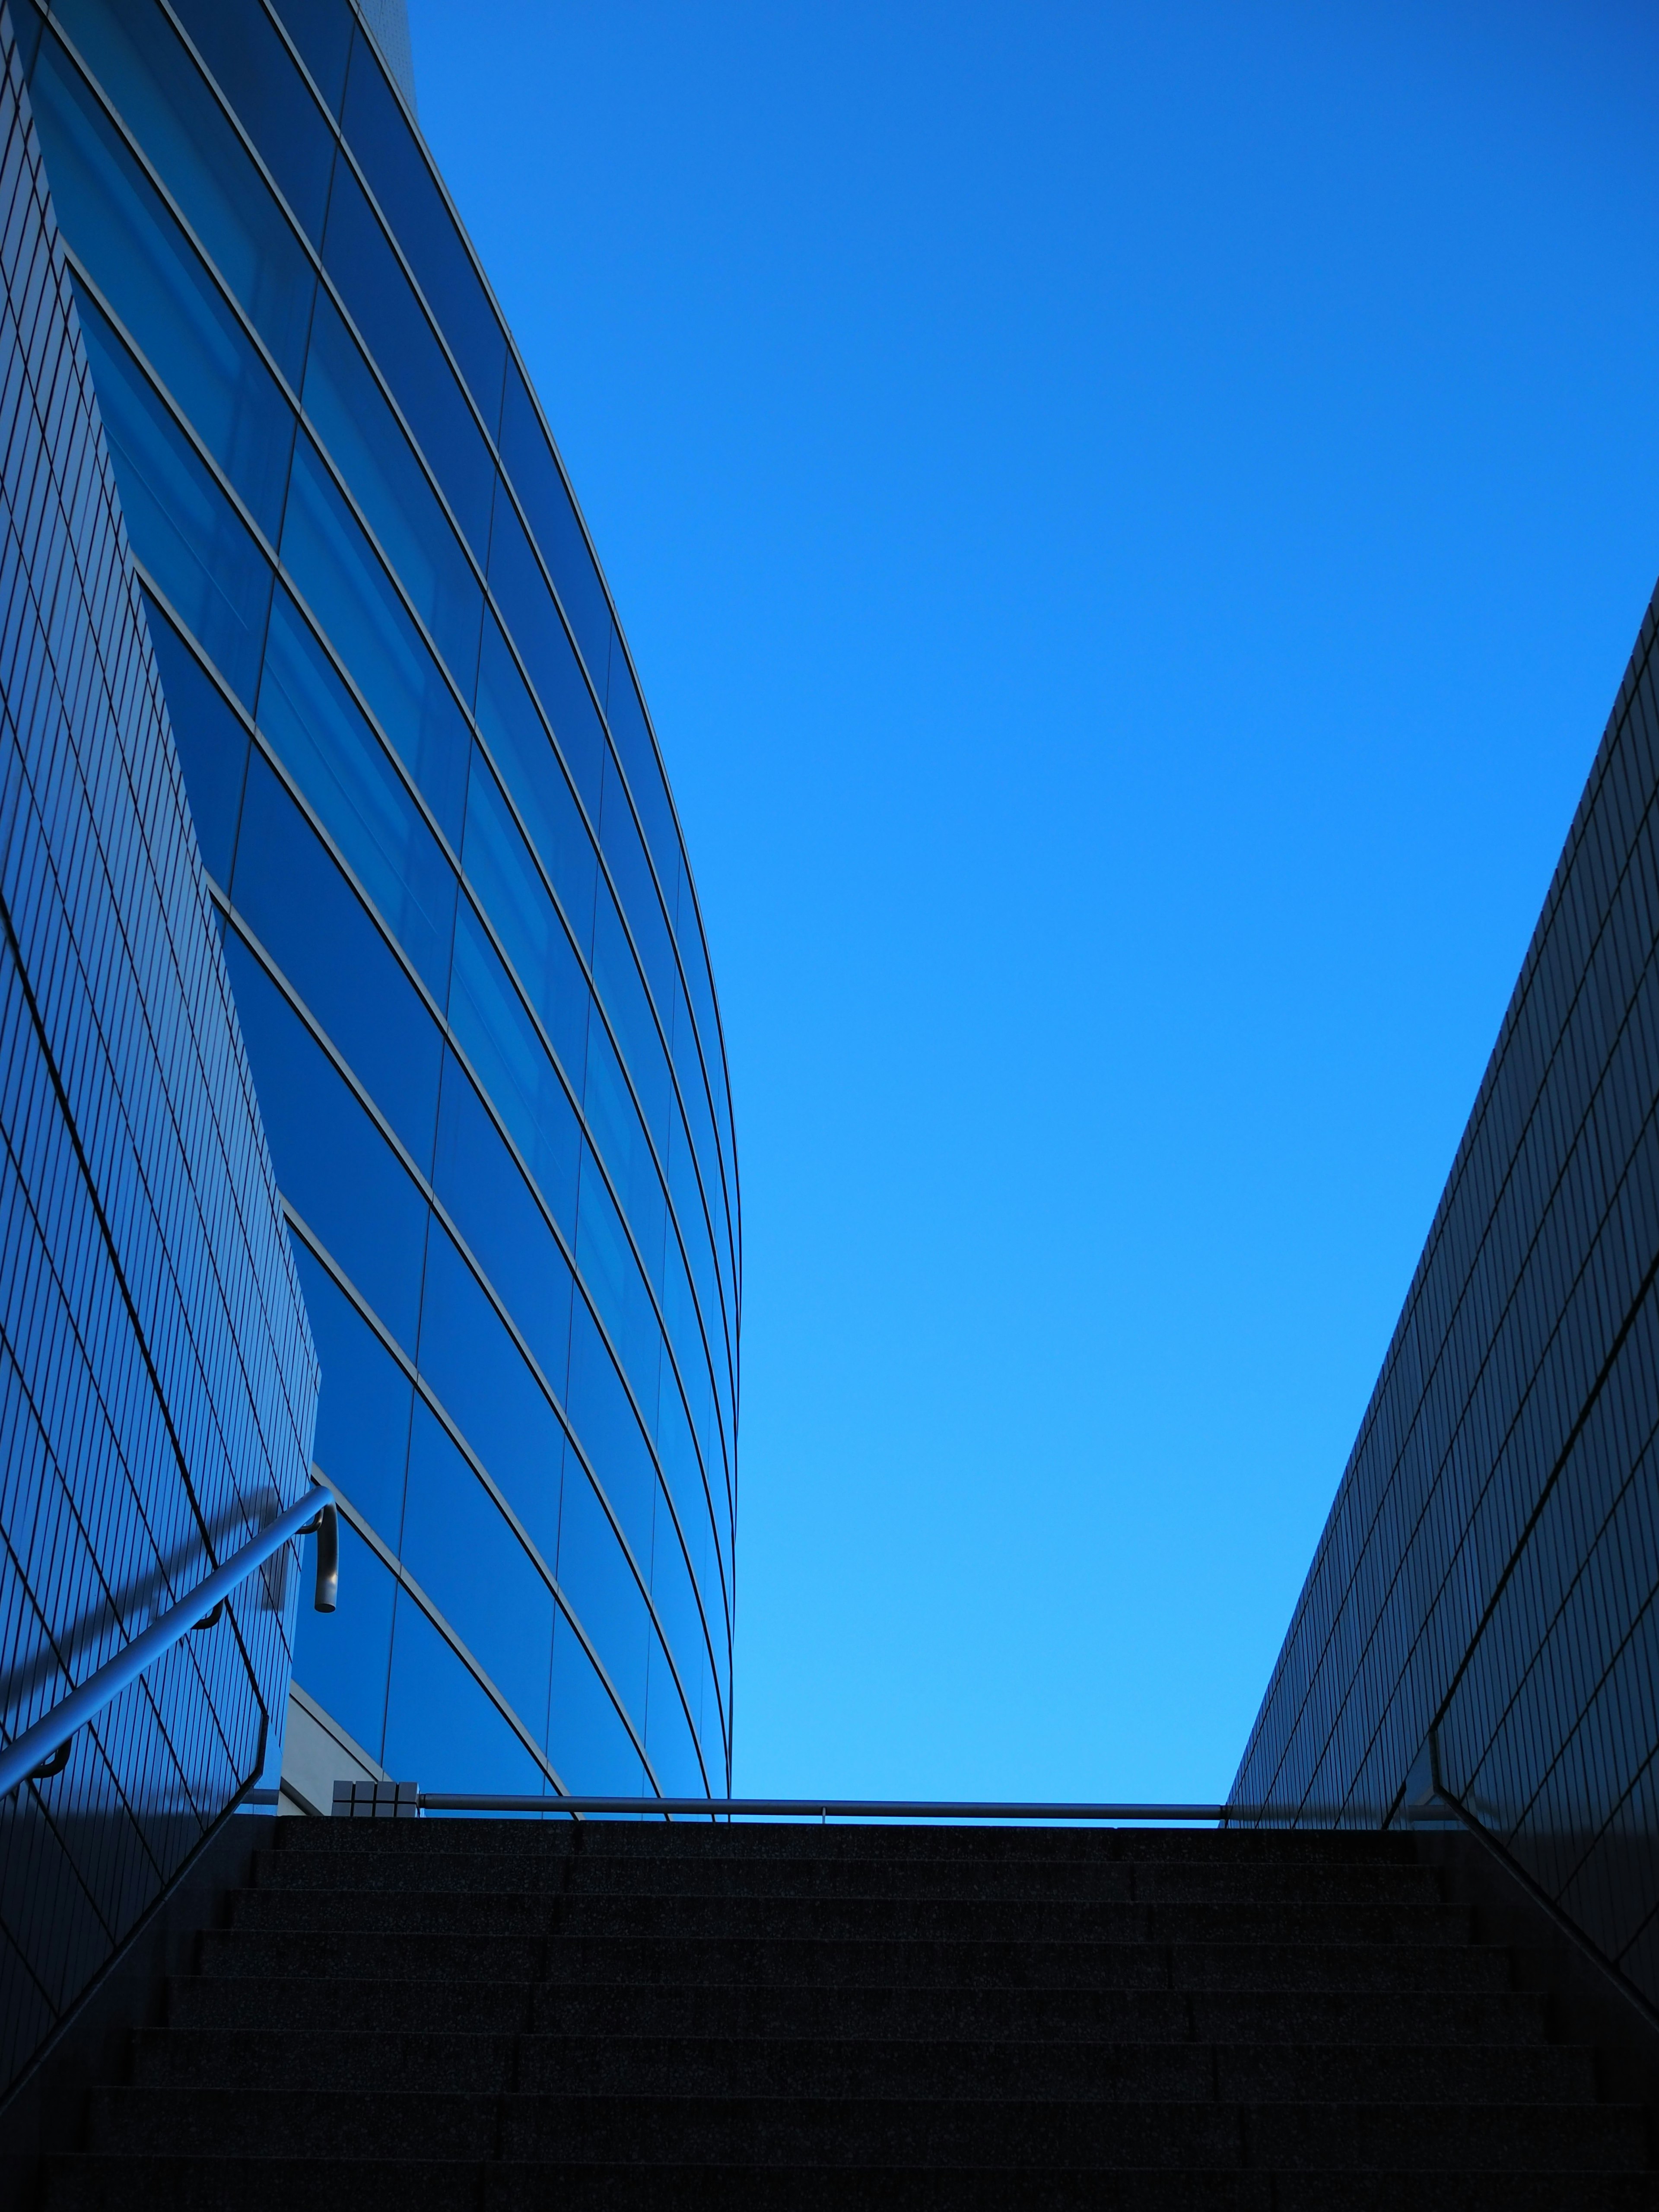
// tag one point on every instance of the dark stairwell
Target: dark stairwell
(490, 2015)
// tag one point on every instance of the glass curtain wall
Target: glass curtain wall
(158, 1386)
(456, 907)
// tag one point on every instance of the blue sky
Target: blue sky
(1131, 519)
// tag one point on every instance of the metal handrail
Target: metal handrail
(823, 1809)
(43, 1749)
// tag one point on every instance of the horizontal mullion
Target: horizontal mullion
(366, 1312)
(429, 1192)
(440, 1020)
(325, 278)
(426, 1189)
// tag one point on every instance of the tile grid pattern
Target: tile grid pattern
(1489, 1569)
(157, 1379)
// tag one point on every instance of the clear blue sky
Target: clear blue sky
(1131, 519)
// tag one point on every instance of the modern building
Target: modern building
(362, 1099)
(440, 865)
(1482, 1614)
(157, 1381)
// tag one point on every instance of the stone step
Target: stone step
(655, 1842)
(313, 2005)
(585, 1873)
(502, 2015)
(358, 1911)
(109, 2183)
(805, 1960)
(1025, 2134)
(828, 2066)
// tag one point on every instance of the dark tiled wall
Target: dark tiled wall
(1489, 1569)
(157, 1381)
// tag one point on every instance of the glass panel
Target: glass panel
(477, 1372)
(614, 1123)
(156, 283)
(608, 1431)
(678, 1459)
(687, 1194)
(532, 622)
(595, 1577)
(236, 41)
(164, 102)
(467, 1559)
(510, 886)
(636, 889)
(720, 1491)
(321, 29)
(362, 1416)
(399, 336)
(668, 1742)
(536, 478)
(591, 1750)
(516, 736)
(316, 929)
(631, 735)
(432, 1700)
(349, 411)
(617, 977)
(212, 744)
(492, 1029)
(336, 759)
(26, 23)
(184, 529)
(694, 955)
(332, 1165)
(379, 137)
(607, 1264)
(689, 1212)
(676, 1421)
(341, 1658)
(478, 1181)
(677, 1609)
(337, 569)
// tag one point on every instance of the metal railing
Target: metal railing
(43, 1750)
(399, 1800)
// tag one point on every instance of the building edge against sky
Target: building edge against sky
(453, 899)
(158, 1384)
(440, 857)
(1483, 1607)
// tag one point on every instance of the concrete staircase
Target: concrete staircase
(492, 2015)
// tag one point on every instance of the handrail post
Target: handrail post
(35, 1753)
(326, 1527)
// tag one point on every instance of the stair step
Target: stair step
(589, 1873)
(808, 1959)
(1014, 2133)
(306, 2004)
(657, 1842)
(828, 1919)
(98, 2184)
(825, 2066)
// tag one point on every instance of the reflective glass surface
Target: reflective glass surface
(158, 1381)
(454, 904)
(1484, 1594)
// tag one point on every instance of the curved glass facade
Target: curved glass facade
(456, 907)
